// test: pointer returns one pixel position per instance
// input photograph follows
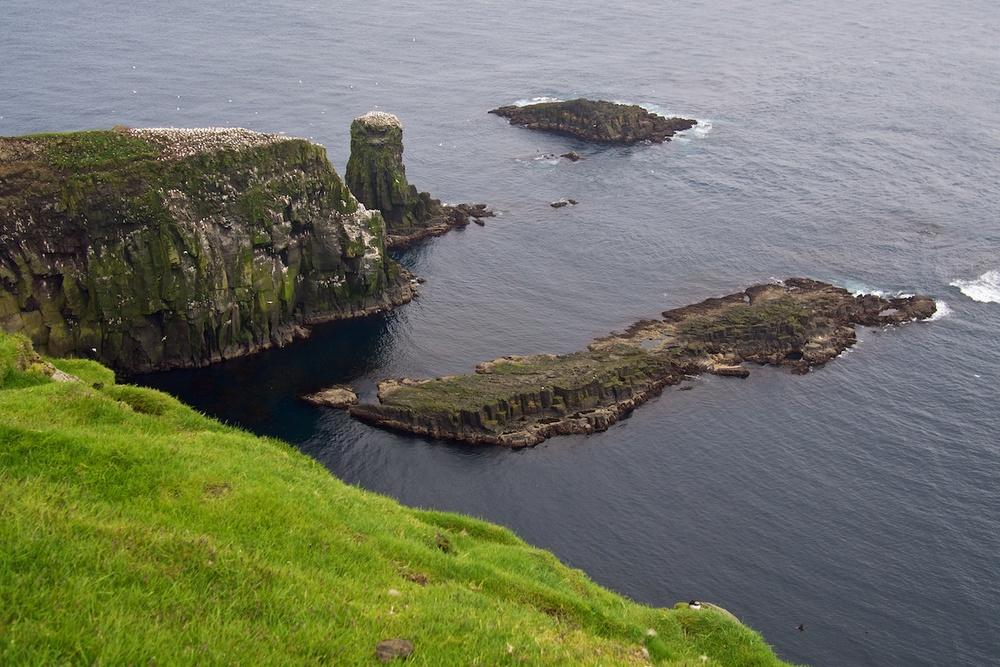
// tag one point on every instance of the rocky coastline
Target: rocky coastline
(598, 122)
(520, 401)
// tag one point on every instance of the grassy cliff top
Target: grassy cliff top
(96, 149)
(88, 173)
(137, 531)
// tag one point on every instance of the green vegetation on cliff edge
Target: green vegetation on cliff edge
(138, 531)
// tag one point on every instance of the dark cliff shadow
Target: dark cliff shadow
(260, 392)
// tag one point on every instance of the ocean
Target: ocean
(855, 143)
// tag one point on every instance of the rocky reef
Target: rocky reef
(158, 248)
(596, 121)
(520, 401)
(377, 177)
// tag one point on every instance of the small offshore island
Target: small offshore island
(598, 122)
(521, 401)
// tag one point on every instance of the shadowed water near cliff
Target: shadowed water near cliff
(854, 145)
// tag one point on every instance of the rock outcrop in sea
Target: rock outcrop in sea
(521, 401)
(596, 121)
(158, 248)
(377, 177)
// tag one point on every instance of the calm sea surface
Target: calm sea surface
(857, 143)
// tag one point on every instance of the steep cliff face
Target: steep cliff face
(161, 248)
(377, 177)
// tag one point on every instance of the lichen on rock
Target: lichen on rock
(156, 248)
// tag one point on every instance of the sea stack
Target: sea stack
(376, 176)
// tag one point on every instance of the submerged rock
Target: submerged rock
(377, 177)
(520, 401)
(596, 121)
(158, 248)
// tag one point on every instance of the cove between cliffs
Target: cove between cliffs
(521, 401)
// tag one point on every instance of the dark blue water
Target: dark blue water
(846, 142)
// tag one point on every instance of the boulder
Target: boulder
(340, 396)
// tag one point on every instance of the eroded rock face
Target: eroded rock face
(150, 249)
(520, 401)
(377, 177)
(596, 121)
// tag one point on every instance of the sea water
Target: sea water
(854, 143)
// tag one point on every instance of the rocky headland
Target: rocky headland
(596, 121)
(377, 177)
(521, 401)
(158, 248)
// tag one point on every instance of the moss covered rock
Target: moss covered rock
(597, 121)
(521, 401)
(160, 248)
(376, 176)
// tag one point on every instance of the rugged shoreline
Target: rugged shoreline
(158, 248)
(598, 121)
(521, 401)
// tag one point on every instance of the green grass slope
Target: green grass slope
(136, 531)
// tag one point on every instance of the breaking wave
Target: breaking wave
(985, 288)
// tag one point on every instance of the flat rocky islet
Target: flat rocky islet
(520, 401)
(598, 121)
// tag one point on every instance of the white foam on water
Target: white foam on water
(943, 311)
(859, 289)
(536, 100)
(702, 127)
(985, 288)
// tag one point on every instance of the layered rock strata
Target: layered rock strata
(520, 401)
(596, 121)
(377, 177)
(158, 248)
